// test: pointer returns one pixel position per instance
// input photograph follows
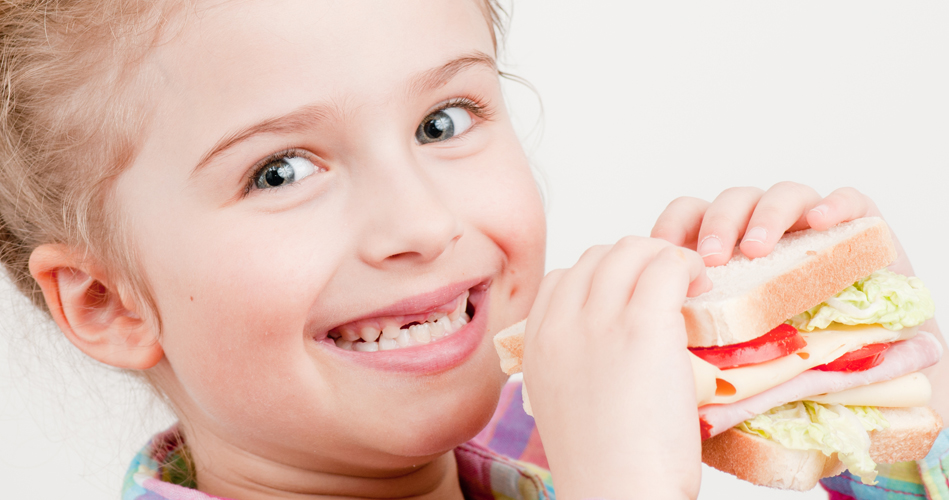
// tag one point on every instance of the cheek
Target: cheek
(498, 200)
(234, 308)
(513, 217)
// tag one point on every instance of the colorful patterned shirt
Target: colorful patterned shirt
(161, 470)
(487, 471)
(926, 478)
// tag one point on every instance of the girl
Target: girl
(302, 222)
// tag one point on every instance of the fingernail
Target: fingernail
(821, 209)
(757, 234)
(710, 246)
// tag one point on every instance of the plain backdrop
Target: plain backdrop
(642, 102)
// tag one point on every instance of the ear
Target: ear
(91, 312)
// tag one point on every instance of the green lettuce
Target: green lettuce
(884, 297)
(834, 428)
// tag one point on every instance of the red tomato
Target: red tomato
(705, 428)
(856, 361)
(777, 343)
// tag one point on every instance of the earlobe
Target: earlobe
(91, 312)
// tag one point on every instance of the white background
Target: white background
(644, 102)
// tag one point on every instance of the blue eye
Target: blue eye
(283, 171)
(443, 125)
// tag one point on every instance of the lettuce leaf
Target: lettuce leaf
(884, 297)
(806, 425)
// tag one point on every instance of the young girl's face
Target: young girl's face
(317, 167)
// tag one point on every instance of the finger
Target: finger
(542, 301)
(783, 207)
(724, 222)
(574, 286)
(615, 277)
(679, 223)
(700, 284)
(840, 206)
(661, 291)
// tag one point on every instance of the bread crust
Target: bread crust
(764, 462)
(820, 274)
(509, 343)
(910, 435)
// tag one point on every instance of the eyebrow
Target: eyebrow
(437, 77)
(310, 115)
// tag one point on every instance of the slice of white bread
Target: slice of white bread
(750, 297)
(767, 463)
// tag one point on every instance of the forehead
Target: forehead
(229, 64)
(229, 50)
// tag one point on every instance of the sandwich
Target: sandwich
(806, 361)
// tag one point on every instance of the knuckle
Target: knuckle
(740, 192)
(627, 243)
(794, 189)
(638, 316)
(661, 230)
(596, 324)
(718, 223)
(594, 251)
(660, 245)
(689, 253)
(553, 276)
(675, 255)
(767, 213)
(685, 202)
(849, 193)
(785, 185)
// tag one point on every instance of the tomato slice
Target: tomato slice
(856, 361)
(775, 344)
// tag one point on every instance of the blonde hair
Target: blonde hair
(68, 127)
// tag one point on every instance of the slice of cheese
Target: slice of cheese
(716, 386)
(912, 389)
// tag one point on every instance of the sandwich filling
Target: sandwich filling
(832, 428)
(884, 299)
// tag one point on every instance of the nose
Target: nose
(411, 221)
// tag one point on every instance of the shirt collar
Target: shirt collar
(162, 471)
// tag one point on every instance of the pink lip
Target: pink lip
(436, 356)
(424, 303)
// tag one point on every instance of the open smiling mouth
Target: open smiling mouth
(397, 332)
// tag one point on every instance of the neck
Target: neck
(226, 471)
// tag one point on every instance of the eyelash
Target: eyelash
(250, 184)
(473, 104)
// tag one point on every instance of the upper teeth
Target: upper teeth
(393, 336)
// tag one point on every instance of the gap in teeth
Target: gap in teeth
(373, 339)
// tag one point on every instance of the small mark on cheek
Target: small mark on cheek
(192, 299)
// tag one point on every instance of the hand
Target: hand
(608, 373)
(758, 218)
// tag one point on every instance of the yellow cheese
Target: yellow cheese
(912, 389)
(823, 346)
(705, 375)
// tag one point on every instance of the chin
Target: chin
(454, 414)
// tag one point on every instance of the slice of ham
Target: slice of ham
(903, 357)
